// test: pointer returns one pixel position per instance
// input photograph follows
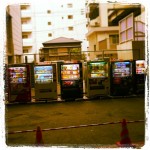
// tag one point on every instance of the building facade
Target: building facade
(115, 30)
(49, 20)
(61, 48)
(13, 35)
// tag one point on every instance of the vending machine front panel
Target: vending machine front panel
(45, 82)
(122, 78)
(19, 83)
(140, 76)
(71, 81)
(97, 78)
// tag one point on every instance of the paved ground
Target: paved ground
(62, 114)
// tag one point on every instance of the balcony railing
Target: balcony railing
(27, 42)
(26, 27)
(26, 13)
(139, 31)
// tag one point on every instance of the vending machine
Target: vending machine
(71, 80)
(97, 78)
(121, 78)
(45, 82)
(19, 88)
(140, 76)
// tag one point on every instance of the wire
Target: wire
(65, 27)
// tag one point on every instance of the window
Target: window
(25, 50)
(48, 11)
(94, 47)
(49, 34)
(24, 36)
(69, 5)
(70, 28)
(82, 11)
(53, 51)
(24, 22)
(70, 16)
(49, 23)
(126, 28)
(114, 39)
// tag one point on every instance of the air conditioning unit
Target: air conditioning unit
(94, 24)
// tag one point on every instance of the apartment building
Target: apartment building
(45, 21)
(102, 37)
(106, 30)
(13, 35)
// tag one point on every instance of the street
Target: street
(21, 117)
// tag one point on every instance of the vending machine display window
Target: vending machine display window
(122, 69)
(43, 74)
(140, 67)
(70, 72)
(98, 70)
(18, 74)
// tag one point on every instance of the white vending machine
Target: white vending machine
(45, 82)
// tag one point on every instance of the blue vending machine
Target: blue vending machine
(121, 78)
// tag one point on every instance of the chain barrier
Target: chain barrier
(70, 127)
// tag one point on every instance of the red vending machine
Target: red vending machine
(45, 82)
(19, 88)
(97, 78)
(71, 80)
(140, 76)
(121, 78)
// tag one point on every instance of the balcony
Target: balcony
(102, 30)
(26, 27)
(26, 13)
(95, 22)
(27, 42)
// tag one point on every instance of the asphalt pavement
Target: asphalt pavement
(56, 114)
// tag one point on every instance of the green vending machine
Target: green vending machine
(97, 78)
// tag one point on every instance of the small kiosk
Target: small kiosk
(121, 78)
(139, 76)
(45, 82)
(97, 78)
(19, 87)
(71, 80)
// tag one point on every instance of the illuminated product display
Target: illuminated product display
(140, 67)
(18, 74)
(97, 69)
(43, 74)
(122, 69)
(69, 72)
(19, 88)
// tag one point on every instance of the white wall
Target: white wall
(59, 20)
